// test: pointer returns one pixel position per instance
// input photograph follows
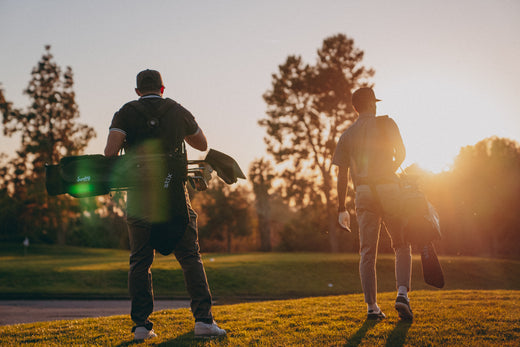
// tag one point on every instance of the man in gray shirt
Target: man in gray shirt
(372, 150)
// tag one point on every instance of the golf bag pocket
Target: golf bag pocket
(162, 200)
(79, 176)
(421, 220)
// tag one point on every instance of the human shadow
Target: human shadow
(398, 335)
(187, 339)
(358, 336)
(129, 343)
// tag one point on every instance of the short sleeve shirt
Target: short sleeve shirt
(174, 125)
(368, 149)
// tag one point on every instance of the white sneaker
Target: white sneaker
(141, 333)
(208, 330)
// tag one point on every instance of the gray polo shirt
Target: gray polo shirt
(369, 147)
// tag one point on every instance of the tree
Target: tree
(478, 199)
(261, 175)
(308, 107)
(227, 213)
(485, 178)
(49, 130)
(10, 210)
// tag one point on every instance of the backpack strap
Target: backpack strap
(381, 125)
(153, 120)
(153, 117)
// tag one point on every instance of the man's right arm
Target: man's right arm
(197, 140)
(342, 187)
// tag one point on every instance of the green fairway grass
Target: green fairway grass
(68, 272)
(442, 318)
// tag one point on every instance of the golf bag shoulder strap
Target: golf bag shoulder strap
(382, 124)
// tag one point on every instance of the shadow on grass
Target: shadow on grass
(129, 343)
(358, 336)
(398, 336)
(187, 339)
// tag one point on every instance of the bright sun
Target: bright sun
(437, 120)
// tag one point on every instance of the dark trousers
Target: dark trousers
(140, 275)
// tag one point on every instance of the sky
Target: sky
(446, 70)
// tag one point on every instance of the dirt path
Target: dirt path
(28, 311)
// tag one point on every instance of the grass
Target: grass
(322, 306)
(442, 318)
(59, 272)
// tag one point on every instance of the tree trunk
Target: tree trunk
(332, 226)
(58, 221)
(263, 211)
(62, 235)
(264, 229)
(331, 211)
(228, 241)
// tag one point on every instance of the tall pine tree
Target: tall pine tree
(48, 130)
(308, 107)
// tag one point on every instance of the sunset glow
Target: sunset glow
(445, 77)
(437, 122)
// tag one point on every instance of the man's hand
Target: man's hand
(344, 220)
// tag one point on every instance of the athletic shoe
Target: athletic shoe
(141, 333)
(208, 330)
(403, 308)
(372, 315)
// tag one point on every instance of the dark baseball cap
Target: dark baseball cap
(149, 80)
(363, 96)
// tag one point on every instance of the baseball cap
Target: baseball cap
(363, 95)
(149, 80)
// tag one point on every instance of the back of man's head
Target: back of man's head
(149, 81)
(363, 98)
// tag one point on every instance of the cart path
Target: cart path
(29, 311)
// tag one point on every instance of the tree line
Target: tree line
(289, 201)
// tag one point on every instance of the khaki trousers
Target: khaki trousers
(369, 216)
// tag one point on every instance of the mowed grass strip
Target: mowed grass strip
(442, 318)
(69, 271)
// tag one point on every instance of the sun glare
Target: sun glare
(437, 119)
(434, 161)
(432, 148)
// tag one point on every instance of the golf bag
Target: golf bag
(160, 180)
(92, 175)
(421, 228)
(421, 219)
